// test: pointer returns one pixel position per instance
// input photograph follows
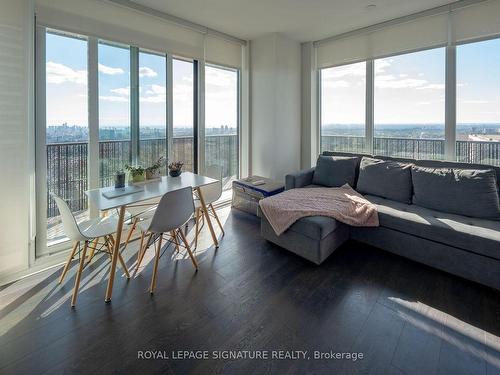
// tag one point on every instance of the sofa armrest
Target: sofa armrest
(299, 179)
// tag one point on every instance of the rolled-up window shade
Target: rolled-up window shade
(477, 21)
(421, 33)
(220, 51)
(119, 24)
(426, 32)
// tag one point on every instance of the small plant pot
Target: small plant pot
(138, 178)
(175, 173)
(152, 175)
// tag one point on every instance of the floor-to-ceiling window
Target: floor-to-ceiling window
(183, 111)
(152, 109)
(221, 120)
(409, 105)
(66, 132)
(114, 110)
(343, 108)
(104, 105)
(478, 102)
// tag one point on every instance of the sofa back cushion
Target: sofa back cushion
(335, 171)
(385, 178)
(469, 192)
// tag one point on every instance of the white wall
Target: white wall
(16, 33)
(275, 106)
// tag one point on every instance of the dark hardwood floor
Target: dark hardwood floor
(404, 317)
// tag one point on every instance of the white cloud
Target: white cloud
(153, 99)
(109, 70)
(353, 70)
(432, 86)
(156, 94)
(122, 91)
(157, 89)
(472, 101)
(59, 73)
(341, 83)
(380, 65)
(388, 81)
(110, 98)
(144, 71)
(403, 75)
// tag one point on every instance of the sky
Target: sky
(410, 88)
(66, 76)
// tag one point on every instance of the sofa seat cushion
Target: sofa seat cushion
(480, 236)
(314, 227)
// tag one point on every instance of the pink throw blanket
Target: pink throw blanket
(343, 204)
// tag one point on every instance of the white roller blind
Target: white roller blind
(476, 21)
(480, 20)
(220, 51)
(16, 33)
(120, 24)
(426, 32)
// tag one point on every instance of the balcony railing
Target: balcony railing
(475, 152)
(67, 163)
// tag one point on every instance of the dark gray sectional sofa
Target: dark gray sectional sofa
(443, 214)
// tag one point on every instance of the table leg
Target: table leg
(114, 258)
(207, 217)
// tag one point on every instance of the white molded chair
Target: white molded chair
(89, 232)
(173, 212)
(137, 212)
(211, 193)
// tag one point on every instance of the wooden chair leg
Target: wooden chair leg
(139, 253)
(130, 232)
(217, 218)
(174, 238)
(92, 249)
(120, 258)
(142, 253)
(68, 262)
(155, 268)
(109, 246)
(183, 237)
(124, 265)
(79, 274)
(197, 228)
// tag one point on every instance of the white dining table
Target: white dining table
(150, 189)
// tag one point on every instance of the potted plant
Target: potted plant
(136, 173)
(175, 168)
(153, 171)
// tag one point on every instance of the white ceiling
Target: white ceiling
(301, 20)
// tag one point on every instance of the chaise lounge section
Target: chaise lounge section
(462, 237)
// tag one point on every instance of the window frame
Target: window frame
(41, 249)
(450, 95)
